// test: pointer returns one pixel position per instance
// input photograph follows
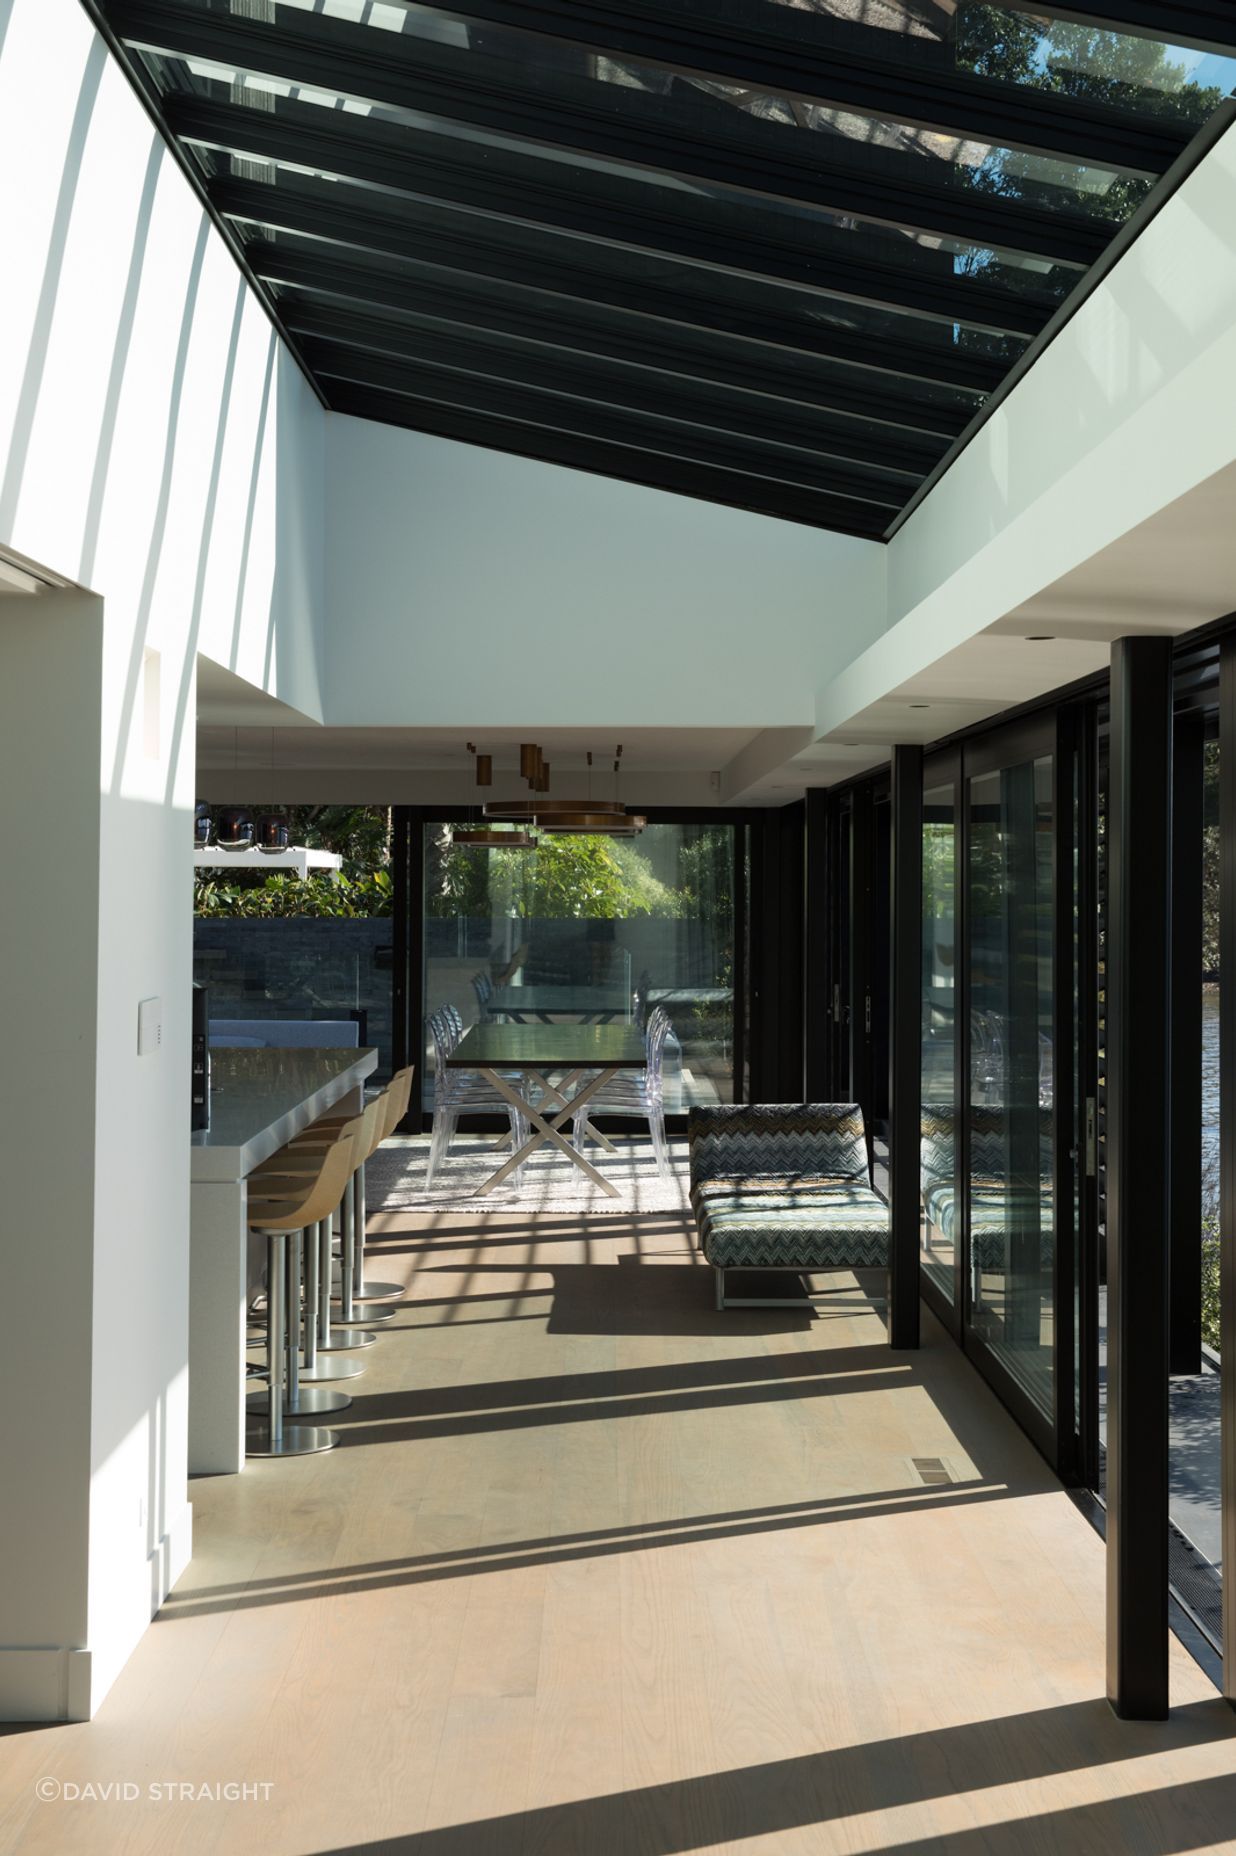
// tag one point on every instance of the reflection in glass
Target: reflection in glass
(1009, 878)
(596, 930)
(938, 1155)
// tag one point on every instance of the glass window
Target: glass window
(591, 929)
(273, 947)
(941, 1210)
(1011, 1224)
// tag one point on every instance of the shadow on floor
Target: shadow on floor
(559, 1549)
(724, 1808)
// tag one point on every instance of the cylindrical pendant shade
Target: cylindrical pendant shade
(481, 837)
(235, 829)
(272, 832)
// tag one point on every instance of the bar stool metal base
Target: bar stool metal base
(379, 1291)
(297, 1440)
(309, 1401)
(333, 1368)
(346, 1340)
(371, 1312)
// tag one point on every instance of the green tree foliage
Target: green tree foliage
(1089, 65)
(358, 834)
(1210, 1284)
(258, 897)
(567, 878)
(1210, 862)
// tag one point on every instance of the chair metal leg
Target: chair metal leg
(333, 1341)
(312, 1396)
(269, 1437)
(362, 1290)
(719, 1281)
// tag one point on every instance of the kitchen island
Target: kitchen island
(260, 1099)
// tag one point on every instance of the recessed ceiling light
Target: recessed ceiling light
(920, 705)
(1040, 637)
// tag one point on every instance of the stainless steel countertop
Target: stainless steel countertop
(261, 1098)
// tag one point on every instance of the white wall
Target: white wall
(468, 587)
(1127, 410)
(157, 446)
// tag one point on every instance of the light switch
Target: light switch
(149, 1026)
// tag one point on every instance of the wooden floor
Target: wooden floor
(600, 1572)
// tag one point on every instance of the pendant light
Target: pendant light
(593, 817)
(483, 835)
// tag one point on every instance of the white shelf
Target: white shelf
(295, 858)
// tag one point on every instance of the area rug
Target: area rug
(549, 1183)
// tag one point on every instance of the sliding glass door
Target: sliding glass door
(991, 1158)
(940, 1218)
(584, 928)
(1009, 1179)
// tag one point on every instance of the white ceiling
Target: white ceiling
(442, 750)
(1171, 574)
(1174, 572)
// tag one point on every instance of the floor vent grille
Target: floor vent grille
(932, 1471)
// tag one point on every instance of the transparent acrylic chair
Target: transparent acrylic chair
(457, 1093)
(636, 1093)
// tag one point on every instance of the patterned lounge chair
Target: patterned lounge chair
(1000, 1212)
(784, 1186)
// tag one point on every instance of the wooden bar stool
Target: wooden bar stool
(397, 1095)
(388, 1109)
(284, 1221)
(323, 1342)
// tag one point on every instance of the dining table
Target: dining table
(547, 1004)
(566, 1064)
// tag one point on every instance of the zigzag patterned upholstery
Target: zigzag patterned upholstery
(826, 1139)
(785, 1186)
(998, 1209)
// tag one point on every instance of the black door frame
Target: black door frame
(759, 834)
(1051, 732)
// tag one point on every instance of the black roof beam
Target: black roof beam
(936, 297)
(840, 64)
(755, 160)
(320, 214)
(552, 371)
(412, 160)
(711, 482)
(662, 430)
(308, 271)
(1207, 25)
(373, 66)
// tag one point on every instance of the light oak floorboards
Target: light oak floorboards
(600, 1572)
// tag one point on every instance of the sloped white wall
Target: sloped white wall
(467, 587)
(1127, 410)
(158, 447)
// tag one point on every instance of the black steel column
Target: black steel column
(776, 1054)
(817, 972)
(1139, 1051)
(1227, 1147)
(1185, 1342)
(859, 929)
(905, 1043)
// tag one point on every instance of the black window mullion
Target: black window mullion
(318, 298)
(686, 477)
(457, 260)
(329, 336)
(833, 62)
(693, 235)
